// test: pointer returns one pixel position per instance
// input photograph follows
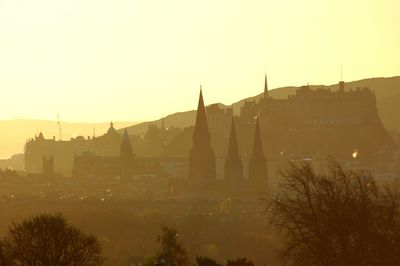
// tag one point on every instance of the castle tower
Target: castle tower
(201, 157)
(233, 163)
(258, 171)
(266, 88)
(126, 158)
(40, 136)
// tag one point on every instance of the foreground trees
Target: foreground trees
(339, 218)
(171, 251)
(49, 240)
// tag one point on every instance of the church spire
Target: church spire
(201, 135)
(233, 163)
(201, 117)
(258, 171)
(201, 157)
(266, 88)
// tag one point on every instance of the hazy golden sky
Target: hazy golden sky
(96, 60)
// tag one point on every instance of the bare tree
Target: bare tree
(49, 240)
(339, 218)
(171, 252)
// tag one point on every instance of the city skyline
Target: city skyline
(131, 61)
(223, 133)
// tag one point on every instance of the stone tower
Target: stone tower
(126, 159)
(201, 157)
(233, 163)
(258, 171)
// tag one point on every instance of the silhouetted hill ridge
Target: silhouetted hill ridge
(387, 90)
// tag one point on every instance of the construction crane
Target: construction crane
(59, 126)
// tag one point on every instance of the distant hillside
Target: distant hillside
(182, 119)
(387, 91)
(14, 133)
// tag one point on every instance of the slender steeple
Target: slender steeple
(201, 135)
(201, 117)
(201, 157)
(266, 88)
(258, 171)
(126, 159)
(233, 163)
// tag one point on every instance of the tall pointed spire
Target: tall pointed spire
(233, 163)
(258, 171)
(201, 157)
(201, 135)
(201, 117)
(266, 88)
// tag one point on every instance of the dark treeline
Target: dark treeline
(49, 240)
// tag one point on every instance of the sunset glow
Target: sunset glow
(126, 60)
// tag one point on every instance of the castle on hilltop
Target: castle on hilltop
(321, 121)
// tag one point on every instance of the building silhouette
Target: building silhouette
(202, 170)
(311, 121)
(258, 171)
(233, 174)
(64, 151)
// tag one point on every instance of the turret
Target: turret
(111, 130)
(40, 136)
